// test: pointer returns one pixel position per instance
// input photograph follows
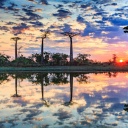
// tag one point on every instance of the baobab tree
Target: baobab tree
(43, 36)
(16, 40)
(125, 29)
(70, 35)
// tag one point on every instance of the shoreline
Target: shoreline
(86, 69)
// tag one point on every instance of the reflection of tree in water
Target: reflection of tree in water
(59, 78)
(126, 107)
(70, 102)
(111, 74)
(46, 79)
(43, 80)
(19, 77)
(82, 78)
(4, 77)
(16, 91)
(37, 78)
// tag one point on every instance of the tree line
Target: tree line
(53, 59)
(49, 59)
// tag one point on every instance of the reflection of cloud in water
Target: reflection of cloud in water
(62, 114)
(98, 103)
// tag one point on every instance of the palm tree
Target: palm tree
(42, 45)
(70, 35)
(16, 40)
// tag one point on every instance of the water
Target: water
(60, 100)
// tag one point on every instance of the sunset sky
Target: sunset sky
(99, 22)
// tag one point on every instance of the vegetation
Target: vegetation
(23, 61)
(54, 59)
(4, 60)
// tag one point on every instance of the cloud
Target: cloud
(38, 10)
(80, 19)
(32, 16)
(20, 28)
(4, 28)
(62, 13)
(58, 6)
(30, 113)
(2, 2)
(84, 6)
(119, 21)
(66, 28)
(102, 1)
(62, 115)
(44, 2)
(36, 24)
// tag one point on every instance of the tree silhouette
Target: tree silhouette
(125, 29)
(114, 58)
(70, 35)
(43, 36)
(82, 58)
(16, 40)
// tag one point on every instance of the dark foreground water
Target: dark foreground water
(60, 100)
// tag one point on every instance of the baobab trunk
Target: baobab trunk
(16, 50)
(71, 51)
(42, 52)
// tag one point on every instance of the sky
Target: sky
(99, 22)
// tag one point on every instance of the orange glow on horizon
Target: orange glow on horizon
(121, 60)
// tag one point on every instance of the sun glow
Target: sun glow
(120, 60)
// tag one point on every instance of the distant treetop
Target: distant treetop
(125, 29)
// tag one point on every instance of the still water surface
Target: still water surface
(60, 100)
